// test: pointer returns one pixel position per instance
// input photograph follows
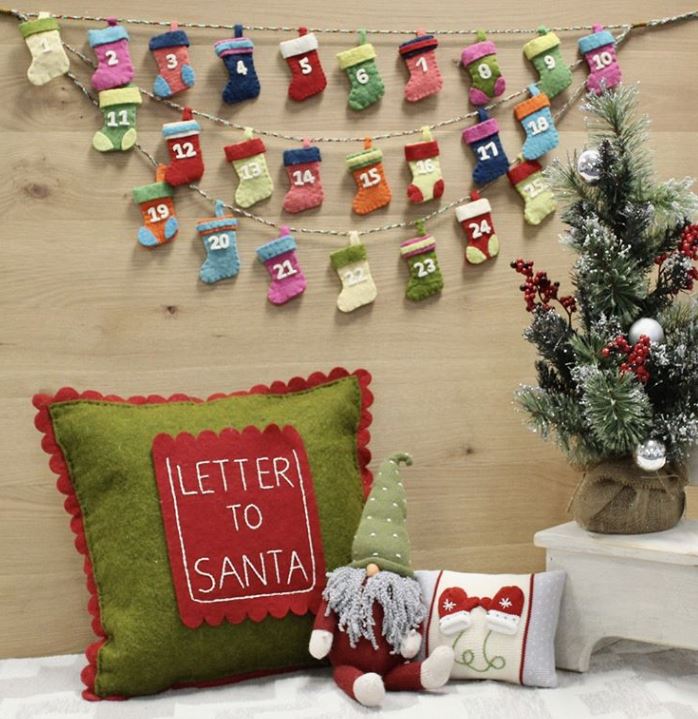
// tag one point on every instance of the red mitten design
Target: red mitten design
(504, 611)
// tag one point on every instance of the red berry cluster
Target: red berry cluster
(688, 247)
(539, 287)
(636, 356)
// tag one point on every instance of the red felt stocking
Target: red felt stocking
(308, 77)
(183, 146)
(476, 220)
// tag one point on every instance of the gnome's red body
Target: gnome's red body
(350, 663)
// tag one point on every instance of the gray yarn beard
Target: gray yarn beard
(351, 599)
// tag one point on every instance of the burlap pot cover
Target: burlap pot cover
(617, 497)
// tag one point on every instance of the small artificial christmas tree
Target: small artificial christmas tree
(618, 367)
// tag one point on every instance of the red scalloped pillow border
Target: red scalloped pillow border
(58, 465)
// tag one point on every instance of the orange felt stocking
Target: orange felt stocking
(157, 207)
(367, 170)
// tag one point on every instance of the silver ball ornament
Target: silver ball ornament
(650, 455)
(646, 326)
(589, 166)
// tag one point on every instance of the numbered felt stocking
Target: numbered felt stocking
(351, 265)
(155, 201)
(423, 159)
(236, 53)
(537, 120)
(367, 170)
(480, 59)
(425, 274)
(476, 220)
(279, 257)
(308, 77)
(539, 201)
(171, 53)
(119, 113)
(186, 163)
(219, 235)
(544, 52)
(599, 50)
(44, 42)
(359, 63)
(419, 55)
(303, 169)
(114, 66)
(484, 140)
(251, 167)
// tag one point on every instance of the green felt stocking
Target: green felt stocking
(359, 63)
(544, 52)
(425, 273)
(119, 113)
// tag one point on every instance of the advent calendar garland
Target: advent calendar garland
(115, 71)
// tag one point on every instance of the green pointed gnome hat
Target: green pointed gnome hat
(381, 537)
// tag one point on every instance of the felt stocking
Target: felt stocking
(476, 220)
(419, 55)
(251, 168)
(425, 274)
(539, 201)
(219, 235)
(537, 120)
(156, 204)
(351, 265)
(367, 170)
(308, 77)
(236, 53)
(423, 159)
(279, 257)
(359, 63)
(119, 113)
(186, 163)
(544, 52)
(303, 169)
(483, 138)
(480, 59)
(599, 50)
(110, 45)
(44, 42)
(171, 53)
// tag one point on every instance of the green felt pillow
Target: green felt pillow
(118, 482)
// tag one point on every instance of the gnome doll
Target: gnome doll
(369, 621)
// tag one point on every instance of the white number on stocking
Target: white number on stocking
(284, 269)
(112, 58)
(241, 68)
(370, 178)
(535, 127)
(422, 64)
(117, 118)
(303, 178)
(171, 60)
(485, 150)
(45, 47)
(478, 229)
(602, 60)
(535, 187)
(362, 76)
(354, 277)
(159, 212)
(219, 242)
(306, 67)
(424, 167)
(424, 269)
(250, 171)
(484, 71)
(549, 62)
(182, 150)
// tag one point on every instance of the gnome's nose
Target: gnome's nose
(372, 569)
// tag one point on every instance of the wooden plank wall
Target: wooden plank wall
(82, 304)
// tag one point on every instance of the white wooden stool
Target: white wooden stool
(637, 586)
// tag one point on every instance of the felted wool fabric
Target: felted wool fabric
(280, 258)
(366, 167)
(419, 55)
(156, 202)
(184, 148)
(425, 274)
(303, 170)
(171, 52)
(553, 72)
(351, 265)
(423, 159)
(43, 39)
(475, 218)
(118, 106)
(599, 50)
(219, 236)
(114, 66)
(100, 447)
(486, 144)
(237, 55)
(500, 626)
(250, 165)
(539, 200)
(301, 55)
(538, 123)
(359, 63)
(480, 59)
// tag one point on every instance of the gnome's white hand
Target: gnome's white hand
(411, 644)
(320, 643)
